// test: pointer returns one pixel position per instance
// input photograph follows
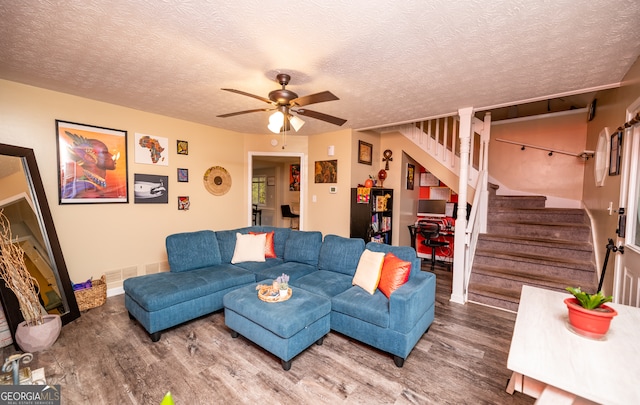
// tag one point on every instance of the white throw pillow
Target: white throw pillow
(368, 271)
(249, 248)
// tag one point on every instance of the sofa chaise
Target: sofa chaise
(203, 271)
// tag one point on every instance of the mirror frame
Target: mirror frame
(9, 301)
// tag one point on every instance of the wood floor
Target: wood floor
(105, 358)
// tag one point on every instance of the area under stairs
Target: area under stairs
(527, 243)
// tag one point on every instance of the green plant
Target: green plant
(589, 301)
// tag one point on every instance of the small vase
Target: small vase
(38, 337)
(284, 293)
(590, 323)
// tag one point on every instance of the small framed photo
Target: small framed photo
(151, 189)
(411, 173)
(183, 203)
(183, 175)
(183, 147)
(614, 154)
(365, 153)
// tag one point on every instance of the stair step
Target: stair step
(536, 264)
(517, 201)
(495, 296)
(562, 215)
(527, 245)
(515, 278)
(545, 230)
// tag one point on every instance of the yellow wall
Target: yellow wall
(610, 112)
(532, 170)
(101, 238)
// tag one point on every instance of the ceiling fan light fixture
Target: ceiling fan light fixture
(276, 120)
(296, 122)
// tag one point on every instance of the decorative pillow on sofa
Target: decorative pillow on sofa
(395, 273)
(269, 247)
(249, 248)
(368, 271)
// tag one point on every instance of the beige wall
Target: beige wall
(330, 213)
(101, 238)
(532, 170)
(610, 112)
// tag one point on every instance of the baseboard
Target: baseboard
(111, 292)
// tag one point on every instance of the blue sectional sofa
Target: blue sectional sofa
(201, 273)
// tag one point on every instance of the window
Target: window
(259, 190)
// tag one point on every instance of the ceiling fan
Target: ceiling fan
(285, 102)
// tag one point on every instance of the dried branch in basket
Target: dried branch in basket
(16, 276)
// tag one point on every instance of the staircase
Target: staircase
(527, 243)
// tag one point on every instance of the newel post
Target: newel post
(459, 265)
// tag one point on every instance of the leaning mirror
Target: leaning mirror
(23, 201)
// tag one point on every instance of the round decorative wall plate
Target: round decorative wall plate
(217, 180)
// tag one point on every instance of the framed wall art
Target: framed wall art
(365, 153)
(151, 150)
(294, 177)
(183, 175)
(183, 203)
(411, 175)
(92, 164)
(614, 153)
(151, 189)
(183, 147)
(326, 171)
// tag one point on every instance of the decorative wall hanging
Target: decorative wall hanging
(92, 164)
(365, 153)
(326, 171)
(217, 180)
(151, 189)
(183, 203)
(294, 177)
(387, 158)
(183, 175)
(411, 172)
(151, 150)
(183, 147)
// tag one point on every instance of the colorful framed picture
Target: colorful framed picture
(183, 147)
(92, 164)
(183, 203)
(151, 150)
(183, 175)
(365, 153)
(294, 178)
(411, 175)
(326, 171)
(151, 189)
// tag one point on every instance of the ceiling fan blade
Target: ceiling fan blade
(321, 116)
(243, 112)
(244, 93)
(314, 98)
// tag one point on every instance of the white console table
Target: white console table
(553, 364)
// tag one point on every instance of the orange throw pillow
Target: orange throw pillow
(395, 273)
(269, 248)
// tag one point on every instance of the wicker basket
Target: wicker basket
(94, 296)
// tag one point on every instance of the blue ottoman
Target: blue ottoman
(282, 328)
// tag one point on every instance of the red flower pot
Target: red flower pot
(591, 323)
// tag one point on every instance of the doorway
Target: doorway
(276, 179)
(627, 265)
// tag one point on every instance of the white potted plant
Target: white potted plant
(283, 284)
(39, 330)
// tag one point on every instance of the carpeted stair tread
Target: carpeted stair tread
(497, 297)
(539, 259)
(542, 242)
(539, 223)
(550, 281)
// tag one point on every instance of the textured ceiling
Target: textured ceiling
(387, 61)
